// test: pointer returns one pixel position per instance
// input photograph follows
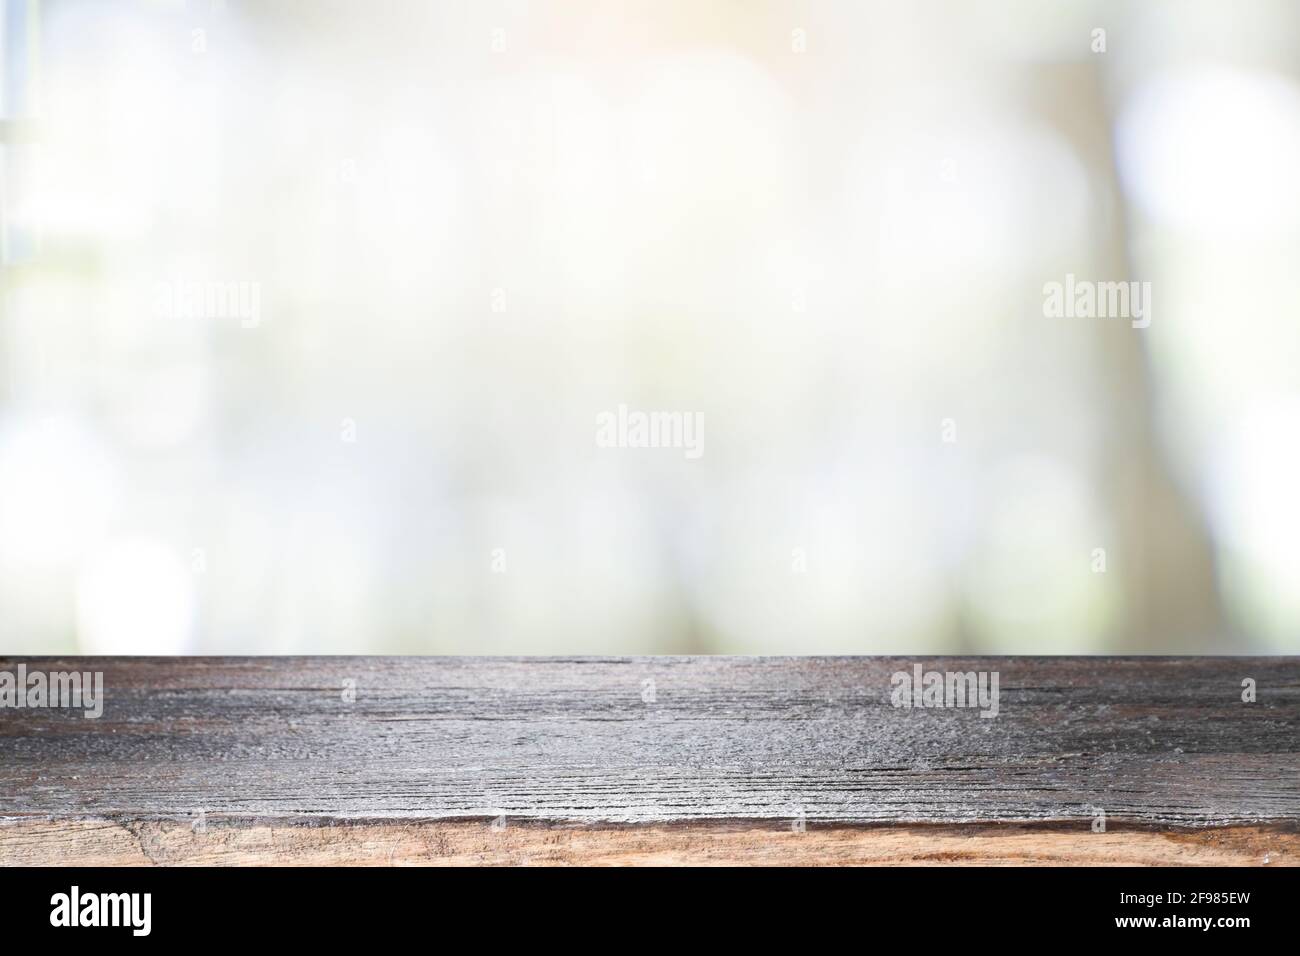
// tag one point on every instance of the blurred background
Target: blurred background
(309, 311)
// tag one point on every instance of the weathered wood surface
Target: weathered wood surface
(653, 760)
(478, 842)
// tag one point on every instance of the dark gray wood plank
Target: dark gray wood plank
(1158, 742)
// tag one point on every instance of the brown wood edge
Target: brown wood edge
(479, 842)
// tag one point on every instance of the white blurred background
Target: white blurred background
(308, 310)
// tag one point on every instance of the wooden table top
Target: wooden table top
(654, 759)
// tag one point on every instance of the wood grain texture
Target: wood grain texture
(703, 843)
(578, 760)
